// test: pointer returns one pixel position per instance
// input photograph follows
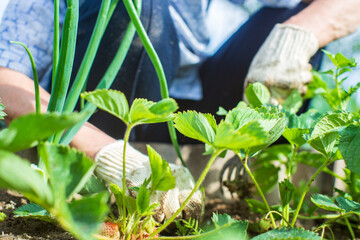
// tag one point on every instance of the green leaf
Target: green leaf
(238, 117)
(35, 211)
(31, 128)
(288, 233)
(163, 107)
(330, 122)
(324, 202)
(236, 229)
(143, 200)
(316, 85)
(287, 190)
(249, 135)
(143, 111)
(18, 175)
(326, 143)
(220, 220)
(2, 113)
(241, 104)
(87, 214)
(93, 185)
(267, 176)
(293, 102)
(273, 122)
(221, 111)
(348, 205)
(111, 101)
(119, 194)
(344, 70)
(349, 146)
(257, 94)
(162, 178)
(295, 136)
(343, 61)
(67, 168)
(195, 125)
(308, 118)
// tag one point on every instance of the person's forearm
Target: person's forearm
(18, 96)
(328, 19)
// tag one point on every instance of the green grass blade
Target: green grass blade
(36, 79)
(89, 57)
(157, 65)
(109, 75)
(67, 54)
(56, 42)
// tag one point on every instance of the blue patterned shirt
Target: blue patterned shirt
(31, 22)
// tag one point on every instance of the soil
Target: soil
(22, 229)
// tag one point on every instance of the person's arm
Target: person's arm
(328, 19)
(18, 96)
(282, 62)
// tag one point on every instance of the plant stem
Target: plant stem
(334, 219)
(36, 79)
(134, 224)
(56, 43)
(337, 86)
(196, 187)
(293, 153)
(333, 174)
(157, 65)
(351, 231)
(108, 77)
(328, 216)
(305, 191)
(126, 139)
(286, 215)
(194, 236)
(67, 54)
(247, 169)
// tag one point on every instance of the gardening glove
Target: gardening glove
(109, 168)
(282, 62)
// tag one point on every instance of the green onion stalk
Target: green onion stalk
(131, 9)
(110, 73)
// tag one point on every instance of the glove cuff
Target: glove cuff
(110, 161)
(295, 42)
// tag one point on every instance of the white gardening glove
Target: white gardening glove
(282, 62)
(109, 168)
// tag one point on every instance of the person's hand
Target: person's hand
(109, 168)
(282, 62)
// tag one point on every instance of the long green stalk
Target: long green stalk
(248, 171)
(89, 57)
(318, 171)
(196, 187)
(203, 235)
(157, 65)
(35, 76)
(109, 75)
(126, 140)
(56, 42)
(87, 61)
(66, 61)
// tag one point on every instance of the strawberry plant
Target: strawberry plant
(46, 187)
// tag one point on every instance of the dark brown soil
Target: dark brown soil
(20, 229)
